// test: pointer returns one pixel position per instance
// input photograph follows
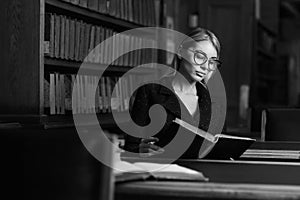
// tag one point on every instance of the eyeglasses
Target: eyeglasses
(200, 58)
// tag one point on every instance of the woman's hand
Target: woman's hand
(148, 148)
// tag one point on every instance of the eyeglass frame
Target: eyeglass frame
(206, 59)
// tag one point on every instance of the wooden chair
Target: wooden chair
(58, 166)
(280, 124)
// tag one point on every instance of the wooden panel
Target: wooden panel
(248, 171)
(197, 190)
(269, 11)
(58, 166)
(20, 51)
(231, 21)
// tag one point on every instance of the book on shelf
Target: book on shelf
(122, 9)
(154, 171)
(221, 146)
(83, 3)
(130, 11)
(82, 40)
(102, 6)
(72, 39)
(91, 57)
(75, 2)
(93, 4)
(77, 39)
(56, 35)
(67, 39)
(112, 7)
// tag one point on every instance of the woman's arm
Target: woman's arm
(139, 115)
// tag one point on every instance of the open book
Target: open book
(145, 170)
(219, 146)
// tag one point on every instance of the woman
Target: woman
(188, 99)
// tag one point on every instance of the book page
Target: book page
(232, 137)
(123, 167)
(125, 171)
(152, 167)
(172, 172)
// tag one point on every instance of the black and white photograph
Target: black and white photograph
(150, 99)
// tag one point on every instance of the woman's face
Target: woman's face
(192, 71)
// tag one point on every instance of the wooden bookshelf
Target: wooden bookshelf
(267, 74)
(25, 66)
(264, 74)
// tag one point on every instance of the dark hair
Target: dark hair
(197, 35)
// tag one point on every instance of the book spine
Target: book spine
(82, 41)
(52, 94)
(109, 91)
(67, 39)
(91, 51)
(52, 36)
(102, 6)
(92, 4)
(62, 36)
(57, 36)
(72, 39)
(77, 41)
(83, 3)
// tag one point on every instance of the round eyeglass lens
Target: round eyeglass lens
(200, 58)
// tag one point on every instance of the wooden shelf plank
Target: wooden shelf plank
(64, 121)
(57, 64)
(105, 119)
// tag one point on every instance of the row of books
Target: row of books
(73, 39)
(58, 91)
(143, 12)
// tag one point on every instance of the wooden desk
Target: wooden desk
(282, 151)
(198, 190)
(258, 172)
(276, 145)
(228, 180)
(227, 171)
